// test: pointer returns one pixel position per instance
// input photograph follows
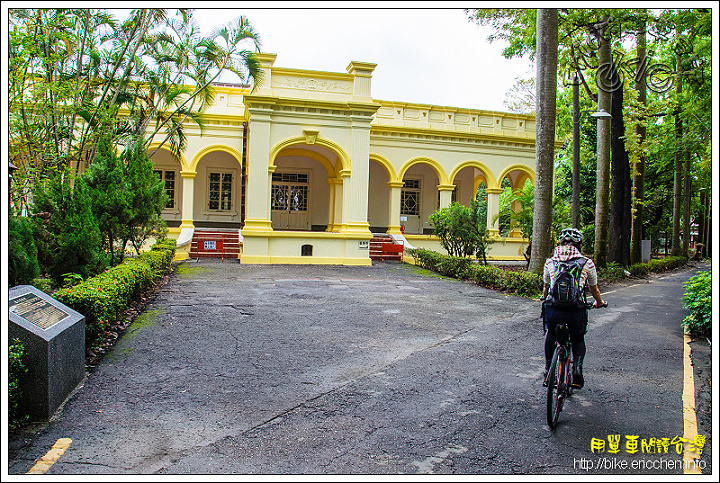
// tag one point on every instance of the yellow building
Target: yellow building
(308, 166)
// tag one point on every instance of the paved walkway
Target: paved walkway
(314, 369)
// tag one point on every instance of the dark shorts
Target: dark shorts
(576, 318)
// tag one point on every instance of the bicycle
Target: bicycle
(559, 378)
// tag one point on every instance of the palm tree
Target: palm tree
(200, 61)
(547, 55)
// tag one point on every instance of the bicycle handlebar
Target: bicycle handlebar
(591, 306)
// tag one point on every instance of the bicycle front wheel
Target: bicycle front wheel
(556, 379)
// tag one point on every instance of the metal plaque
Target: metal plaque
(36, 310)
(210, 245)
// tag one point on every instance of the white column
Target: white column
(355, 188)
(445, 194)
(493, 209)
(346, 200)
(257, 190)
(394, 211)
(333, 186)
(515, 207)
(188, 201)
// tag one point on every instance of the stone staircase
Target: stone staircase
(384, 248)
(215, 244)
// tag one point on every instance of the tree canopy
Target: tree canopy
(78, 74)
(663, 131)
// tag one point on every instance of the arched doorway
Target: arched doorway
(516, 201)
(218, 187)
(168, 169)
(304, 189)
(419, 196)
(381, 176)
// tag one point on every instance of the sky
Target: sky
(423, 55)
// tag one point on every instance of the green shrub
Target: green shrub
(67, 234)
(698, 298)
(44, 284)
(639, 269)
(487, 276)
(521, 282)
(22, 253)
(426, 258)
(613, 272)
(16, 373)
(148, 197)
(665, 264)
(165, 244)
(461, 230)
(104, 298)
(159, 260)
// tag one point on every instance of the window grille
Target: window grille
(220, 192)
(410, 198)
(169, 179)
(290, 177)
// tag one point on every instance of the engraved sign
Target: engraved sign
(210, 245)
(36, 310)
(364, 244)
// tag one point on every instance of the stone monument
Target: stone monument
(54, 339)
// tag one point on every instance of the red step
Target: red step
(215, 244)
(384, 248)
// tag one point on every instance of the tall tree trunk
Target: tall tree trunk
(638, 192)
(576, 155)
(677, 185)
(687, 195)
(603, 150)
(547, 46)
(619, 222)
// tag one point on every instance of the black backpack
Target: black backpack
(566, 291)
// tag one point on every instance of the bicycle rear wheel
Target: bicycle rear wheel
(555, 388)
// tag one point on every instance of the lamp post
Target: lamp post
(600, 114)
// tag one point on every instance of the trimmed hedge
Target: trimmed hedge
(103, 299)
(665, 264)
(614, 272)
(520, 283)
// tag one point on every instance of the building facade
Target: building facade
(308, 166)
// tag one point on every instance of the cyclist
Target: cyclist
(569, 244)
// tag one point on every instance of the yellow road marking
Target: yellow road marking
(44, 463)
(690, 458)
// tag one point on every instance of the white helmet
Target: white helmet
(570, 235)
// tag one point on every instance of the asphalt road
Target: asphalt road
(237, 369)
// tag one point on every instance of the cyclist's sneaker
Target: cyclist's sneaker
(578, 380)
